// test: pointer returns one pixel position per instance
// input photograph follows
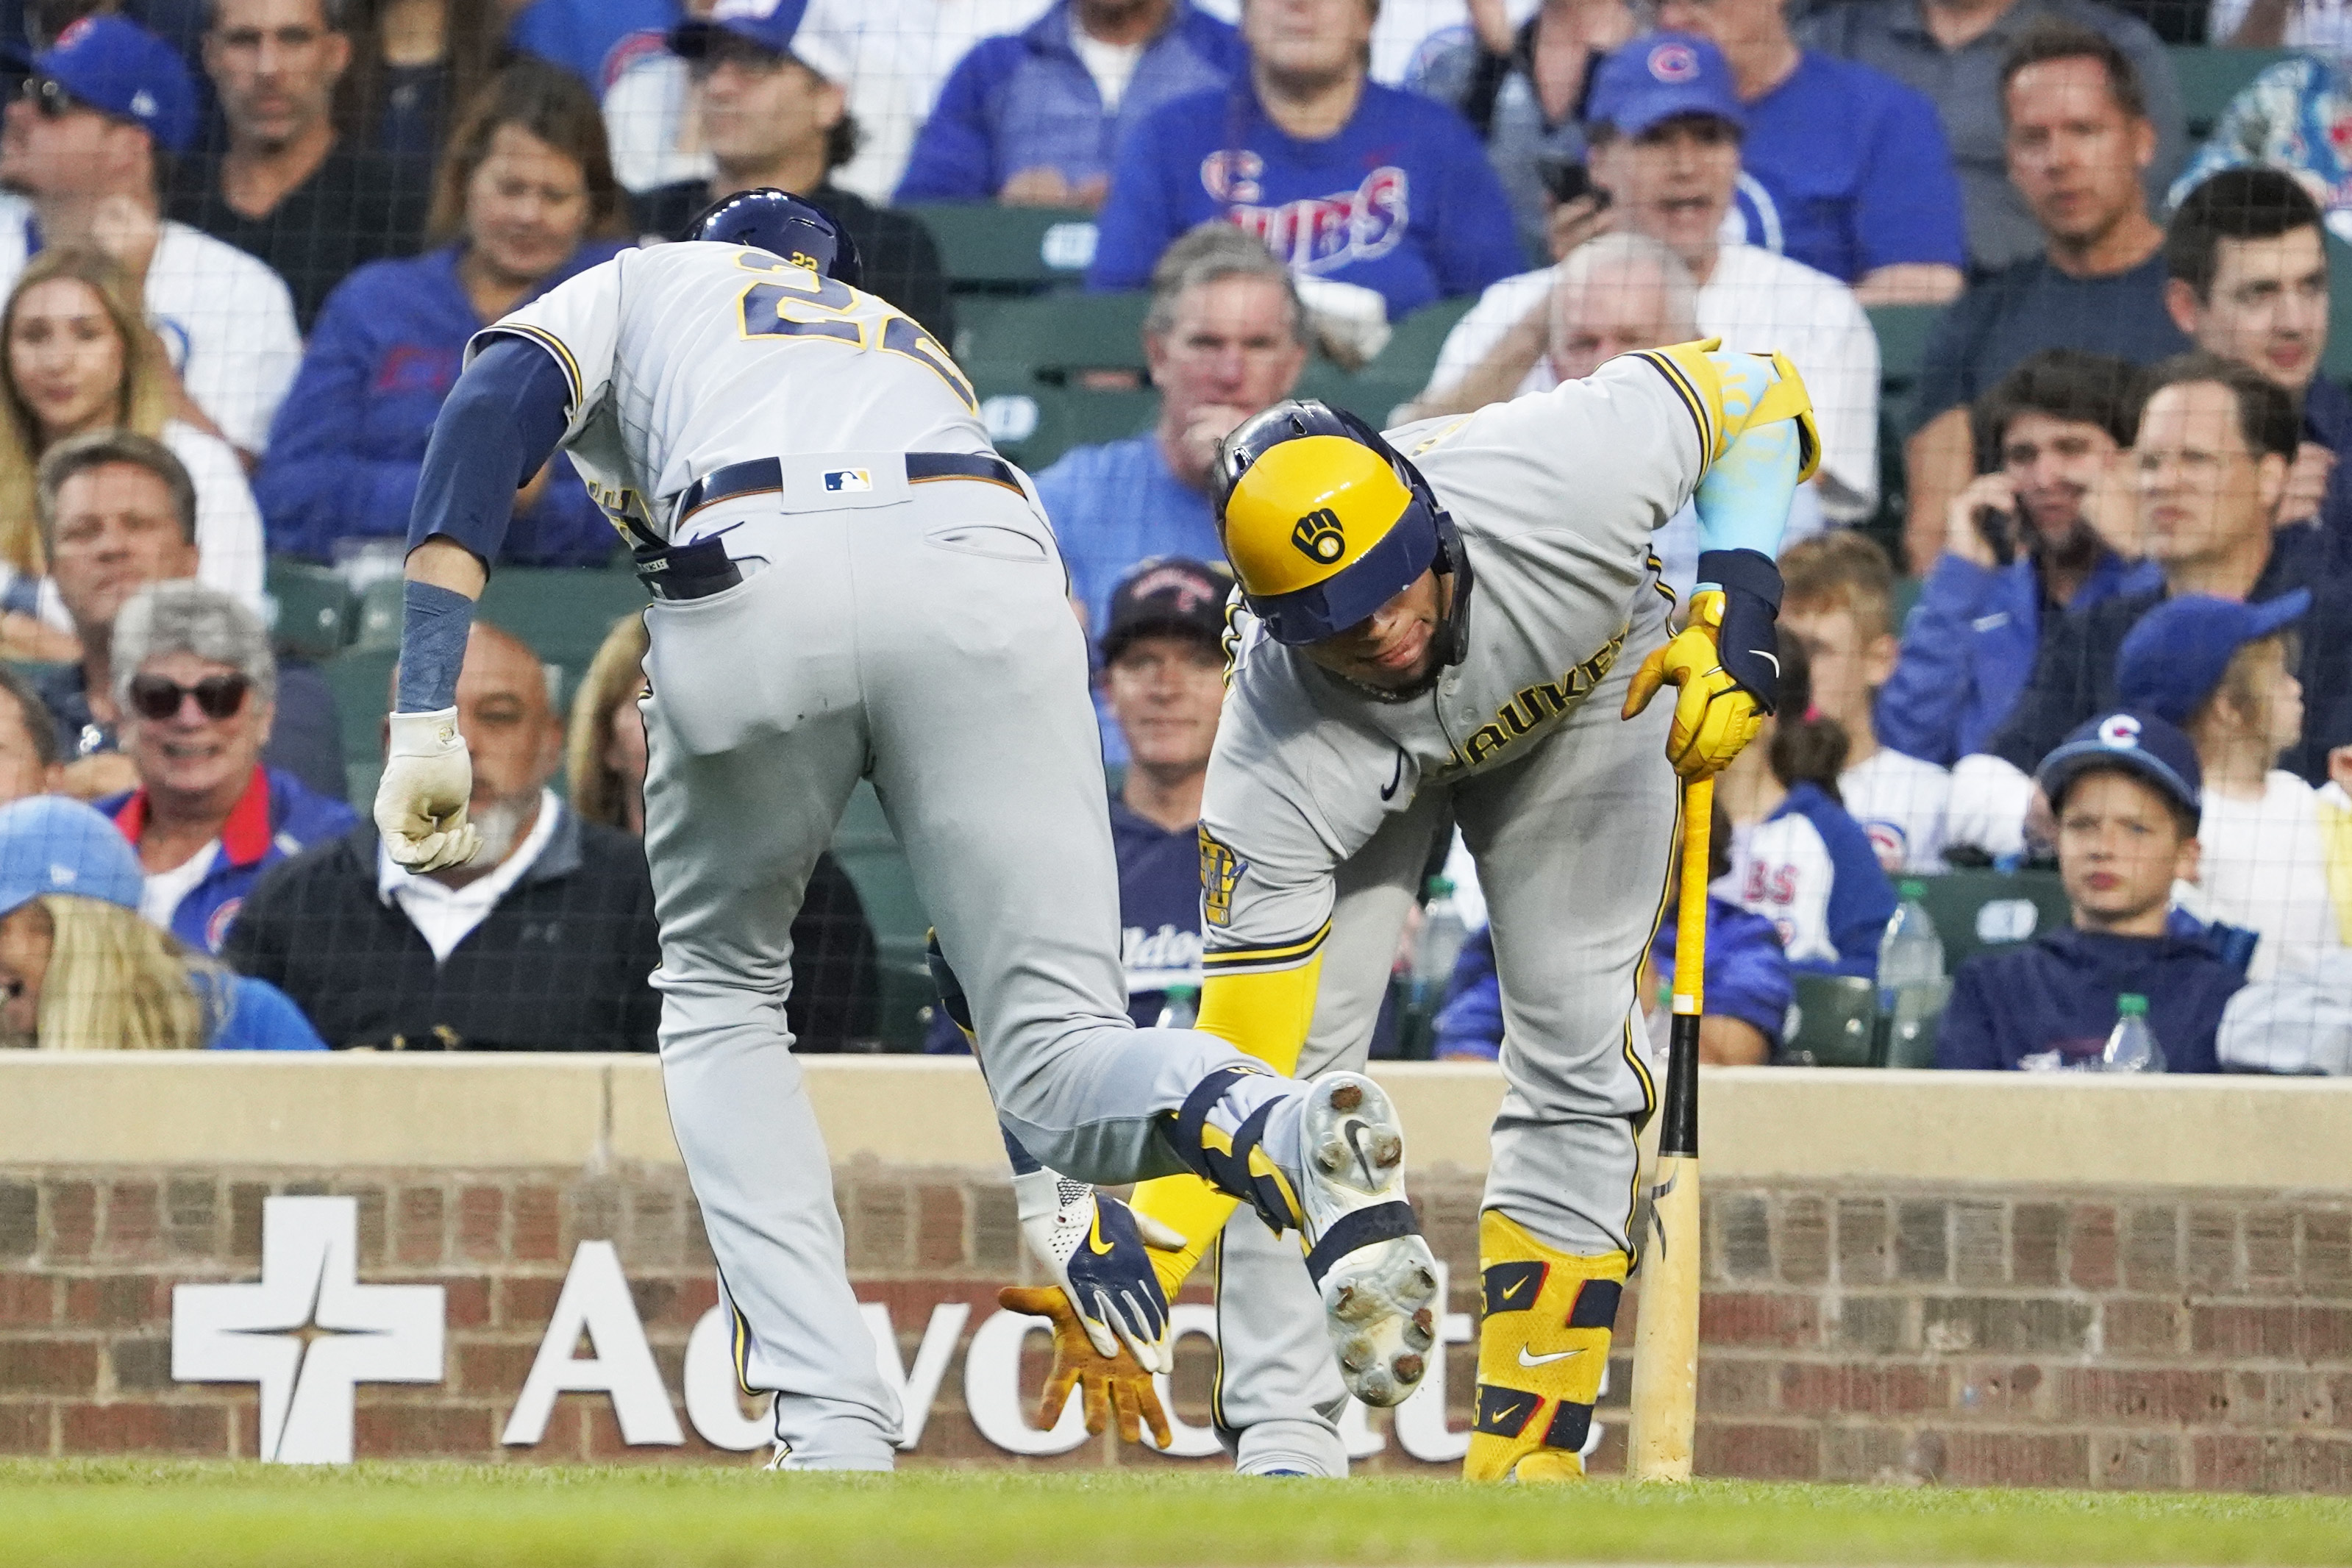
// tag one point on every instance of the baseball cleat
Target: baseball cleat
(1364, 1250)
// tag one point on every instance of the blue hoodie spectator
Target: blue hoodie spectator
(275, 819)
(1746, 978)
(348, 441)
(1969, 648)
(2058, 993)
(1026, 100)
(1401, 200)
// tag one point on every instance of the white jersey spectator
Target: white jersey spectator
(2264, 867)
(1753, 300)
(1899, 801)
(225, 318)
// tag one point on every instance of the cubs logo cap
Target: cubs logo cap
(121, 69)
(52, 845)
(1169, 596)
(2175, 654)
(1660, 77)
(2138, 741)
(771, 24)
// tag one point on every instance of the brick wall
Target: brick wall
(1969, 1335)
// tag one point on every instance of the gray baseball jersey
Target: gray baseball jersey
(672, 357)
(1556, 497)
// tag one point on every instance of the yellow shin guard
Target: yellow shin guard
(1543, 1346)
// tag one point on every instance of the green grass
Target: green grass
(78, 1513)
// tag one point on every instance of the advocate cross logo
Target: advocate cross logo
(309, 1333)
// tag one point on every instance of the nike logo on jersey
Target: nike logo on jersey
(1526, 1360)
(1395, 778)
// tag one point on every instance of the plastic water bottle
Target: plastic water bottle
(1910, 954)
(1440, 943)
(2131, 1045)
(1180, 1007)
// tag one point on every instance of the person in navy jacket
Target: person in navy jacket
(197, 686)
(1344, 179)
(2125, 790)
(1026, 117)
(2058, 430)
(525, 198)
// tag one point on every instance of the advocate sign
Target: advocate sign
(309, 1333)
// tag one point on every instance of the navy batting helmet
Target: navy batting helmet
(781, 223)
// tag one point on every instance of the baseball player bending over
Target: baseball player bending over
(1461, 622)
(850, 583)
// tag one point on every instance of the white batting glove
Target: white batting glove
(420, 807)
(1096, 1247)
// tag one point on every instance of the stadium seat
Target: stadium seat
(2337, 362)
(1054, 338)
(1032, 424)
(361, 681)
(1835, 1023)
(313, 615)
(563, 613)
(987, 246)
(1991, 911)
(2210, 77)
(1902, 332)
(869, 852)
(1397, 376)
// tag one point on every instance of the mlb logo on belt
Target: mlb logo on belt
(839, 480)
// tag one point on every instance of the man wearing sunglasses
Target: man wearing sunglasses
(118, 512)
(83, 149)
(198, 689)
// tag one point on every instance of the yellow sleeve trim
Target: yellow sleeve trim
(1283, 955)
(555, 346)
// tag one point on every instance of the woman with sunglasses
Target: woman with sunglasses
(524, 199)
(80, 970)
(197, 686)
(75, 357)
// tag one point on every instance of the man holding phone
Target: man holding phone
(2045, 530)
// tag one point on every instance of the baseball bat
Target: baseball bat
(1665, 1336)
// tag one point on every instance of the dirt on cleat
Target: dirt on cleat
(1376, 1295)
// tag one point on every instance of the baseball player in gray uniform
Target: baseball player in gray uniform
(1461, 623)
(848, 583)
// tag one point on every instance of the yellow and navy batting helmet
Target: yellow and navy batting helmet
(1322, 521)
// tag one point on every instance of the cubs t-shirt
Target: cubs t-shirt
(1846, 170)
(1401, 200)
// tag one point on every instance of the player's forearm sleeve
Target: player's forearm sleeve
(500, 425)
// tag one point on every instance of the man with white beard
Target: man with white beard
(544, 940)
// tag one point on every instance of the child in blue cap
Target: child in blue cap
(2224, 672)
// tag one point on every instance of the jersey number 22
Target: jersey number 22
(801, 304)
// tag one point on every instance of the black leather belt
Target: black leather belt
(767, 475)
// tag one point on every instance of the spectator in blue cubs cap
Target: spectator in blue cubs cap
(86, 146)
(121, 70)
(2126, 791)
(2225, 672)
(80, 970)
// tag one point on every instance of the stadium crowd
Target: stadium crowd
(2073, 587)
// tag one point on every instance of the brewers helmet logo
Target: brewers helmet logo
(1318, 536)
(1220, 869)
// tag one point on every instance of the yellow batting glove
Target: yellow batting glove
(1714, 715)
